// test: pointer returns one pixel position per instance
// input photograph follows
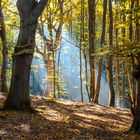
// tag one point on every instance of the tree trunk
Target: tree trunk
(96, 96)
(129, 82)
(81, 80)
(123, 61)
(50, 45)
(110, 73)
(123, 77)
(135, 127)
(81, 46)
(117, 71)
(58, 71)
(86, 73)
(18, 97)
(91, 6)
(54, 75)
(131, 40)
(100, 61)
(116, 58)
(4, 52)
(131, 26)
(110, 82)
(50, 74)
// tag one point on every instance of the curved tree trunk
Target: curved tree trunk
(18, 97)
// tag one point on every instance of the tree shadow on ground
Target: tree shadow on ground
(59, 120)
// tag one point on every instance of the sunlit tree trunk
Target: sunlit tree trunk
(50, 47)
(116, 57)
(123, 60)
(49, 63)
(123, 77)
(91, 9)
(81, 80)
(81, 47)
(100, 61)
(84, 48)
(58, 71)
(54, 75)
(86, 73)
(18, 97)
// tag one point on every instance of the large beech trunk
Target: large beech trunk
(18, 97)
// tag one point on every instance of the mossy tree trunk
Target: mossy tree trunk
(18, 97)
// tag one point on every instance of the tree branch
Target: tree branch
(39, 8)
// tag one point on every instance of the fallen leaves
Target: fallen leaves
(66, 120)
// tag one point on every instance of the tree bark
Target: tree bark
(135, 127)
(54, 75)
(58, 71)
(86, 73)
(123, 61)
(18, 97)
(131, 26)
(50, 45)
(131, 40)
(117, 70)
(100, 61)
(81, 46)
(3, 87)
(49, 63)
(110, 73)
(91, 6)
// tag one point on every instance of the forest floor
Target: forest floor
(65, 120)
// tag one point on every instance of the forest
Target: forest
(70, 69)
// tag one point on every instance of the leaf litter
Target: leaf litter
(57, 119)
